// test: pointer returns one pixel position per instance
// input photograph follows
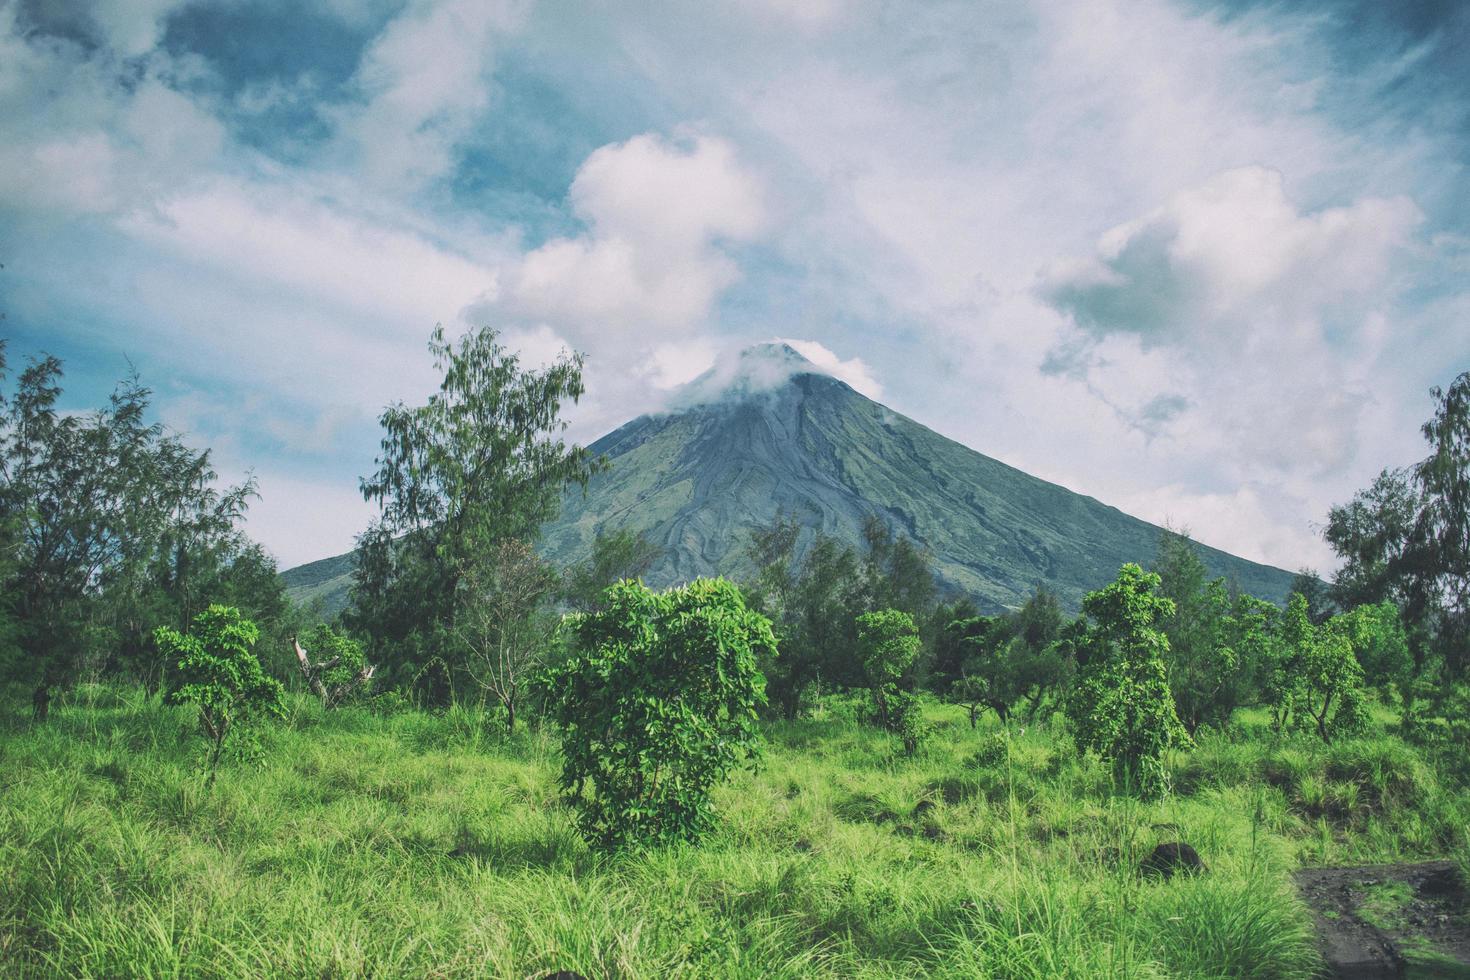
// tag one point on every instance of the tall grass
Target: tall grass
(430, 845)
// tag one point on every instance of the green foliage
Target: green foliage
(887, 646)
(500, 622)
(398, 850)
(220, 674)
(339, 676)
(1210, 636)
(812, 603)
(616, 555)
(1121, 706)
(897, 573)
(1377, 637)
(1406, 538)
(1004, 662)
(481, 463)
(115, 527)
(657, 706)
(1317, 681)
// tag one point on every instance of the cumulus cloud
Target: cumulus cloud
(422, 85)
(660, 215)
(293, 240)
(854, 371)
(80, 142)
(1234, 251)
(1219, 289)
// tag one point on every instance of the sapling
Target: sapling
(219, 672)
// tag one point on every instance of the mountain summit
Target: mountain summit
(756, 370)
(768, 432)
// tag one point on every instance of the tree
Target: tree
(1376, 635)
(616, 555)
(115, 524)
(1010, 660)
(501, 592)
(888, 645)
(481, 463)
(1317, 593)
(1205, 670)
(970, 644)
(1327, 680)
(219, 672)
(657, 705)
(1441, 535)
(1121, 706)
(896, 571)
(955, 624)
(1371, 535)
(811, 602)
(1406, 538)
(341, 672)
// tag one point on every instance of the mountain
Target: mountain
(771, 433)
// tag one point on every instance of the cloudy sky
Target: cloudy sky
(1199, 260)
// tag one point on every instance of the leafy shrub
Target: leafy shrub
(657, 705)
(1122, 707)
(888, 645)
(219, 672)
(389, 703)
(993, 750)
(341, 673)
(906, 719)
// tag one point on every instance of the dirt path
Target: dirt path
(1390, 920)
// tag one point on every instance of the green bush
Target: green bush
(888, 645)
(657, 705)
(1121, 706)
(340, 674)
(219, 672)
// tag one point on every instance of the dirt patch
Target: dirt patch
(1390, 920)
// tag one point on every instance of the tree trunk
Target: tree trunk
(313, 677)
(974, 715)
(41, 702)
(510, 717)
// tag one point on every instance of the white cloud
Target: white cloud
(1233, 252)
(1220, 288)
(283, 238)
(652, 261)
(424, 82)
(1247, 345)
(857, 374)
(79, 143)
(133, 27)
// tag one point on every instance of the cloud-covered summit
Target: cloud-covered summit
(765, 367)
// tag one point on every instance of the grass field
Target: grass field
(429, 845)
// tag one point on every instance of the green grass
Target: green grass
(428, 845)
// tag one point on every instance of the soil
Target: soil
(1390, 920)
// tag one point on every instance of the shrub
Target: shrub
(888, 645)
(341, 674)
(1320, 682)
(1121, 706)
(657, 705)
(219, 672)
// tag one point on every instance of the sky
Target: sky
(1200, 260)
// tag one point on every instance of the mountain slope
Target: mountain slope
(775, 435)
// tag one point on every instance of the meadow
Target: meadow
(431, 844)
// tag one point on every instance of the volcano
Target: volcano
(771, 434)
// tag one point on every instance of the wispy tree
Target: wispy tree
(481, 463)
